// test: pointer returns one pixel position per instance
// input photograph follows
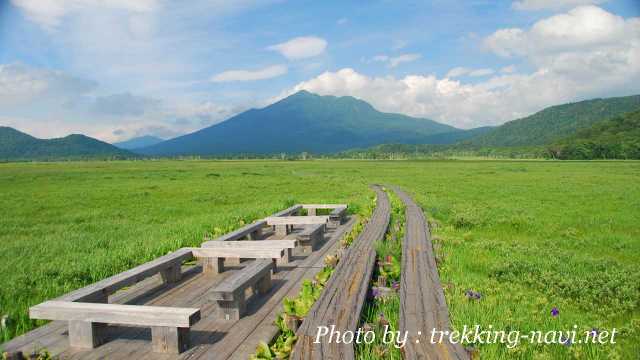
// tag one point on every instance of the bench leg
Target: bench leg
(255, 235)
(213, 265)
(172, 274)
(86, 335)
(171, 340)
(232, 310)
(285, 259)
(282, 230)
(311, 212)
(232, 261)
(264, 284)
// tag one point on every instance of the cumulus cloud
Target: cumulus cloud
(301, 47)
(552, 4)
(250, 75)
(21, 83)
(582, 54)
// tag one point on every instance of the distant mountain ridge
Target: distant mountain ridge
(16, 145)
(138, 142)
(556, 122)
(305, 122)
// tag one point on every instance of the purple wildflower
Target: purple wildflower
(375, 293)
(555, 312)
(473, 295)
(565, 341)
(594, 332)
(395, 286)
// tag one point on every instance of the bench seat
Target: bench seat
(284, 224)
(337, 216)
(169, 325)
(214, 256)
(230, 294)
(310, 237)
(287, 245)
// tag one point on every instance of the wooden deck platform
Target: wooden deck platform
(211, 338)
(422, 303)
(342, 299)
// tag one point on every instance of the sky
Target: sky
(117, 69)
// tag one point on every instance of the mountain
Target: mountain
(616, 138)
(302, 122)
(138, 142)
(16, 145)
(556, 122)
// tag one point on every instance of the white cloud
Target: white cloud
(399, 44)
(584, 28)
(481, 72)
(49, 13)
(301, 47)
(21, 84)
(552, 4)
(460, 71)
(457, 71)
(123, 104)
(394, 61)
(404, 58)
(250, 75)
(582, 54)
(508, 69)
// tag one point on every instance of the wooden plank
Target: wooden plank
(112, 284)
(422, 303)
(342, 299)
(115, 313)
(241, 279)
(323, 206)
(297, 220)
(243, 231)
(245, 253)
(288, 211)
(259, 244)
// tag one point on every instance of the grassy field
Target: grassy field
(529, 236)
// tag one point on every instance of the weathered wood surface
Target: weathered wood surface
(239, 252)
(422, 303)
(342, 299)
(252, 231)
(296, 220)
(210, 337)
(108, 286)
(260, 244)
(115, 313)
(242, 279)
(323, 206)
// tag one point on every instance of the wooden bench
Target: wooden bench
(213, 258)
(230, 294)
(284, 223)
(287, 245)
(87, 322)
(337, 216)
(309, 238)
(311, 208)
(169, 266)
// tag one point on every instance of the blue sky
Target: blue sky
(115, 69)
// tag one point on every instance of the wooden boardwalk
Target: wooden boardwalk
(422, 303)
(211, 337)
(342, 299)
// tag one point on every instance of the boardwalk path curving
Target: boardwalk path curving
(422, 303)
(342, 299)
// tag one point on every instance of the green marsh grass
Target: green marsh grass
(528, 235)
